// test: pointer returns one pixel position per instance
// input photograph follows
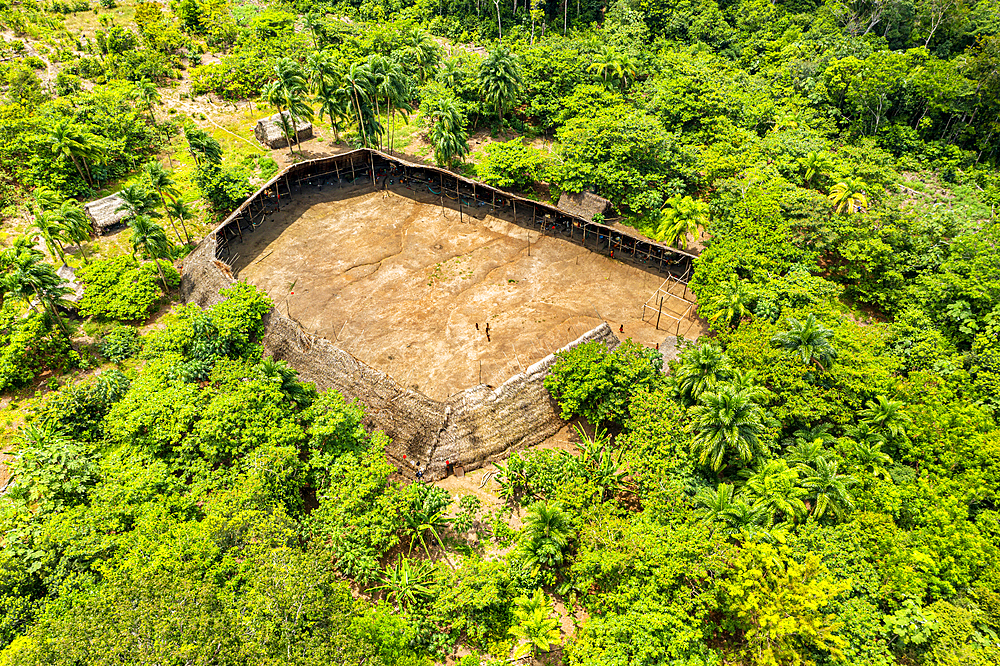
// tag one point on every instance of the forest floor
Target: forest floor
(409, 286)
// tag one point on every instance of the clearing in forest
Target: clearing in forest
(401, 283)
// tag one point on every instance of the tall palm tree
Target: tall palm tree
(885, 416)
(137, 200)
(699, 370)
(78, 227)
(546, 535)
(204, 148)
(713, 503)
(180, 210)
(815, 164)
(607, 64)
(70, 143)
(146, 92)
(394, 86)
(150, 237)
(869, 456)
(809, 340)
(165, 187)
(774, 487)
(448, 136)
(731, 305)
(424, 50)
(500, 79)
(52, 232)
(358, 83)
(726, 420)
(828, 489)
(849, 196)
(682, 216)
(28, 278)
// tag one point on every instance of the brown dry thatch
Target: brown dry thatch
(584, 204)
(268, 131)
(104, 213)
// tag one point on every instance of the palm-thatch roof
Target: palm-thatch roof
(104, 213)
(268, 131)
(584, 204)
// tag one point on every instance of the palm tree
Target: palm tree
(69, 142)
(137, 200)
(165, 187)
(806, 452)
(731, 305)
(546, 534)
(597, 461)
(358, 83)
(334, 102)
(713, 502)
(204, 148)
(181, 211)
(774, 487)
(884, 416)
(78, 227)
(29, 279)
(869, 456)
(828, 489)
(52, 232)
(699, 370)
(448, 134)
(394, 86)
(424, 50)
(809, 340)
(684, 216)
(607, 63)
(152, 240)
(815, 164)
(146, 92)
(534, 624)
(500, 79)
(848, 196)
(726, 420)
(287, 379)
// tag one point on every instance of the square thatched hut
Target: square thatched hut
(104, 213)
(584, 204)
(268, 131)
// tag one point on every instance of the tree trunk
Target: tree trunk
(79, 170)
(163, 277)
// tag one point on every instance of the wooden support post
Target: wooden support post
(658, 313)
(494, 202)
(441, 185)
(237, 220)
(371, 161)
(336, 165)
(534, 213)
(461, 219)
(352, 169)
(513, 203)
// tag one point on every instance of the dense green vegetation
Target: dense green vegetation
(815, 483)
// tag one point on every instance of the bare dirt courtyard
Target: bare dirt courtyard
(401, 283)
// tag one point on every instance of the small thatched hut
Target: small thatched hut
(104, 213)
(268, 131)
(584, 204)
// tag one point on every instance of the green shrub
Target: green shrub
(120, 343)
(78, 409)
(29, 345)
(122, 289)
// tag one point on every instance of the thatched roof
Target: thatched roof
(103, 213)
(268, 131)
(584, 204)
(69, 280)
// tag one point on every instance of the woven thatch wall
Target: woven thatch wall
(202, 276)
(103, 213)
(487, 424)
(268, 131)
